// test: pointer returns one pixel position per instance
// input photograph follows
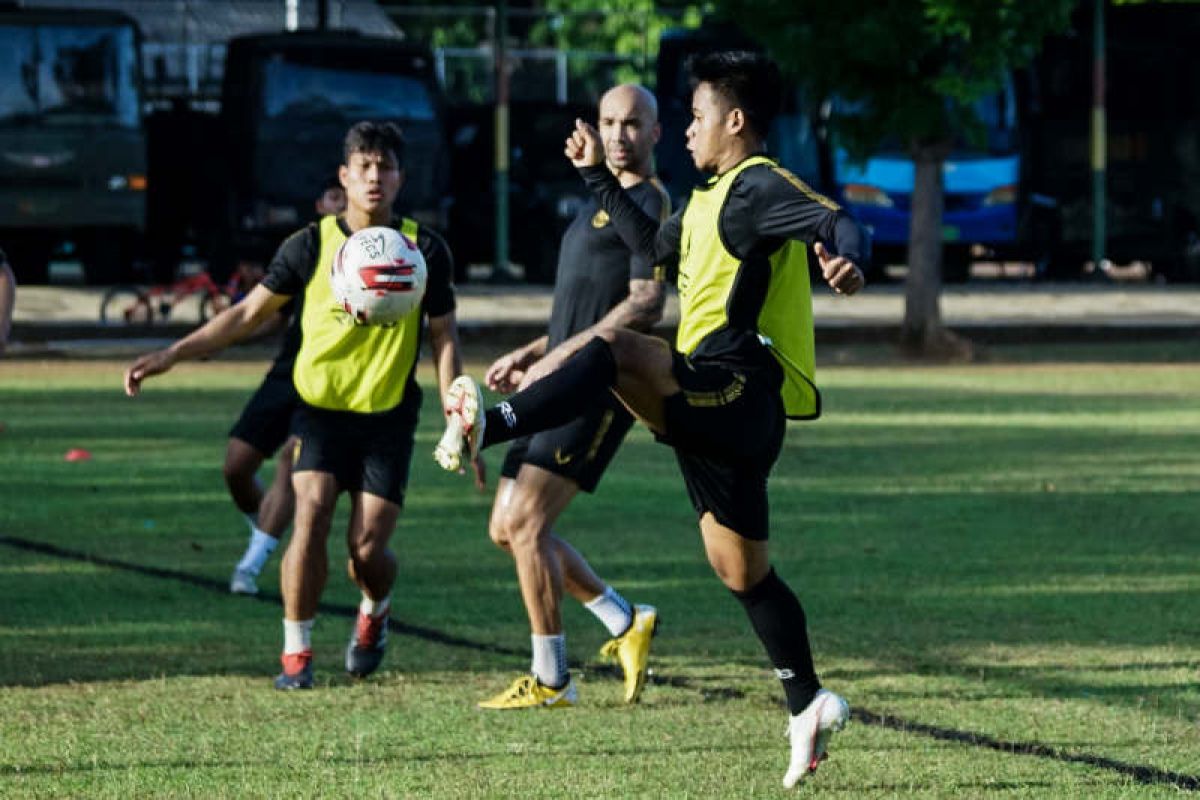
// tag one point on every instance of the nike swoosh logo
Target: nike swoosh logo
(560, 459)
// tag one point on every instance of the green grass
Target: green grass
(1005, 551)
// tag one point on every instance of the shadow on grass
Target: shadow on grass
(926, 523)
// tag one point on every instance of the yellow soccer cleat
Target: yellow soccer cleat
(632, 650)
(527, 692)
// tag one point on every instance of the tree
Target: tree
(916, 67)
(629, 28)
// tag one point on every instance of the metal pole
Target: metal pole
(500, 48)
(1099, 140)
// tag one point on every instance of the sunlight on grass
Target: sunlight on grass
(1000, 550)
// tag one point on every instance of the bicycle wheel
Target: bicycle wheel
(125, 305)
(213, 304)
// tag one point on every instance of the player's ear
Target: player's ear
(735, 120)
(656, 132)
(343, 172)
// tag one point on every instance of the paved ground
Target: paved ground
(55, 317)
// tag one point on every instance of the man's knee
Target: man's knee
(498, 531)
(737, 573)
(239, 468)
(524, 525)
(367, 549)
(314, 507)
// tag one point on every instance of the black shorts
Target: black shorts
(727, 427)
(266, 419)
(364, 452)
(580, 450)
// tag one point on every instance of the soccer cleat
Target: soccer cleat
(297, 671)
(632, 650)
(527, 692)
(242, 582)
(367, 644)
(810, 731)
(464, 424)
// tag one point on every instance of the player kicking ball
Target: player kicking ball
(742, 364)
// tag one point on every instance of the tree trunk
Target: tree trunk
(922, 333)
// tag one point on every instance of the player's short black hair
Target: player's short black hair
(374, 137)
(747, 80)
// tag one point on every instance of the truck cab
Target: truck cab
(286, 103)
(72, 144)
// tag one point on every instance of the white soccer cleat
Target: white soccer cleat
(464, 424)
(810, 731)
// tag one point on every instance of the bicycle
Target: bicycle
(126, 304)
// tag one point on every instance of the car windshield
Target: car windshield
(57, 75)
(307, 91)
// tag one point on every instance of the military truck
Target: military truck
(286, 103)
(72, 144)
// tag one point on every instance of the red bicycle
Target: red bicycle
(126, 304)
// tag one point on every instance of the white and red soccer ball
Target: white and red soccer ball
(378, 276)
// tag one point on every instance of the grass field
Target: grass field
(1000, 565)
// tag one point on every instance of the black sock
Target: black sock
(557, 398)
(778, 619)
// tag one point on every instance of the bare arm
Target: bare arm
(231, 325)
(505, 373)
(8, 299)
(640, 310)
(447, 363)
(447, 360)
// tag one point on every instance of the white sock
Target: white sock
(612, 610)
(550, 660)
(259, 549)
(374, 608)
(297, 635)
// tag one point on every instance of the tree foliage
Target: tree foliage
(628, 28)
(916, 67)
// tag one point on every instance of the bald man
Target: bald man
(600, 285)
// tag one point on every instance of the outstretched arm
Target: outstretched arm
(641, 233)
(641, 310)
(773, 203)
(231, 325)
(506, 372)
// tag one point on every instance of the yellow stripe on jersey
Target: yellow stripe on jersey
(808, 191)
(343, 366)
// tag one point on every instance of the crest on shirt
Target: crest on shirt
(600, 219)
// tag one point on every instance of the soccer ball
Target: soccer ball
(378, 276)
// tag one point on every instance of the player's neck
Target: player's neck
(739, 150)
(357, 218)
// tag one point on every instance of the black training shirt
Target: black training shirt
(766, 206)
(595, 266)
